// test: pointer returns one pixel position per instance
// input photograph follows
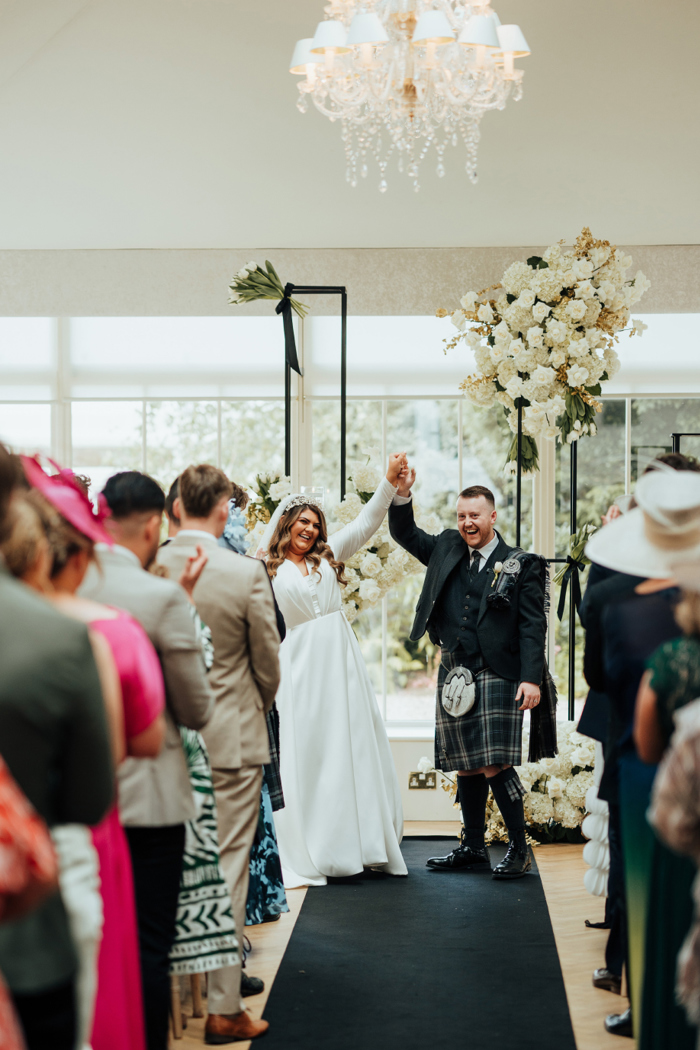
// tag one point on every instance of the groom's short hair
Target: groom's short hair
(201, 488)
(474, 491)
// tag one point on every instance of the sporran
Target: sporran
(458, 692)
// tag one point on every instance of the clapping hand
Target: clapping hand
(193, 569)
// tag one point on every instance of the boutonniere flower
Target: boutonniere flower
(497, 570)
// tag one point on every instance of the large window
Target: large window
(156, 393)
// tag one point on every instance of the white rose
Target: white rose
(542, 375)
(497, 353)
(540, 311)
(577, 376)
(514, 386)
(516, 345)
(576, 309)
(459, 320)
(526, 299)
(473, 338)
(638, 327)
(485, 313)
(371, 565)
(557, 357)
(351, 610)
(501, 332)
(370, 592)
(535, 336)
(584, 290)
(468, 302)
(556, 330)
(424, 765)
(555, 787)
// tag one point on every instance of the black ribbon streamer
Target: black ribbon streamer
(571, 574)
(284, 307)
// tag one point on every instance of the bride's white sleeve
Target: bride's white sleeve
(348, 540)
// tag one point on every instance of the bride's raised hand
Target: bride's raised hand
(397, 463)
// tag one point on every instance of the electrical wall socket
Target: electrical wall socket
(422, 780)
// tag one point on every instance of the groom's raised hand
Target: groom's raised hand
(405, 482)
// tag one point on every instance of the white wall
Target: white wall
(420, 804)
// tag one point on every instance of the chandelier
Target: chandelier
(403, 76)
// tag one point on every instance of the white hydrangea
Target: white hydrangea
(366, 479)
(516, 277)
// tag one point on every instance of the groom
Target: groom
(503, 646)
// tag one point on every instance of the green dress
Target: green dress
(675, 678)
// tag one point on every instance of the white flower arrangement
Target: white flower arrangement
(544, 338)
(555, 790)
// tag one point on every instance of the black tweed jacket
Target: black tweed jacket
(512, 639)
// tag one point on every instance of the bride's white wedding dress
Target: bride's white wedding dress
(342, 803)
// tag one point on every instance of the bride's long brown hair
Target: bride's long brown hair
(282, 537)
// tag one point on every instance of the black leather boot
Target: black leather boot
(516, 862)
(463, 858)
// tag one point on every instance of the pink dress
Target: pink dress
(119, 1023)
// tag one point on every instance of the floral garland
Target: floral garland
(544, 339)
(555, 790)
(378, 566)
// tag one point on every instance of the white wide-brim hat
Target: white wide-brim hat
(661, 532)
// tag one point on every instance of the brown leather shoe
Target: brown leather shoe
(233, 1028)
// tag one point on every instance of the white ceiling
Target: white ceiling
(173, 124)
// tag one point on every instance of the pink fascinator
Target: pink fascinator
(63, 492)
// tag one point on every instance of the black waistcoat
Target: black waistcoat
(458, 611)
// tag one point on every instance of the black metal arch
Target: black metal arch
(321, 289)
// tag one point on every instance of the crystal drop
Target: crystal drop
(383, 186)
(441, 171)
(364, 171)
(416, 185)
(353, 183)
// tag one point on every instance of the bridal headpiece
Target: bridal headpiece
(297, 499)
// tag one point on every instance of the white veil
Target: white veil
(296, 499)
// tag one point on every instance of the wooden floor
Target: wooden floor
(580, 949)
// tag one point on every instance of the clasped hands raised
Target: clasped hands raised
(400, 474)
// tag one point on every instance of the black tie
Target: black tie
(474, 567)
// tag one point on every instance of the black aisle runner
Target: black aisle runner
(434, 960)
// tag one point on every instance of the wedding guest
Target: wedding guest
(28, 555)
(155, 798)
(625, 624)
(118, 1020)
(55, 741)
(27, 877)
(671, 681)
(675, 814)
(266, 897)
(171, 516)
(234, 599)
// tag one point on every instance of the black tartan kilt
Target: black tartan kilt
(490, 734)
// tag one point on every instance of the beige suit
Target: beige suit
(156, 792)
(234, 598)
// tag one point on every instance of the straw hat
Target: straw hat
(662, 531)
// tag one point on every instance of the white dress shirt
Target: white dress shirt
(486, 551)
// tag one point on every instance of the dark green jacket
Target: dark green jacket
(54, 739)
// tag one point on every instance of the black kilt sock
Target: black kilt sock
(508, 792)
(473, 792)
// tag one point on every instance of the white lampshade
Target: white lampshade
(496, 19)
(303, 56)
(366, 29)
(329, 36)
(479, 30)
(433, 28)
(511, 39)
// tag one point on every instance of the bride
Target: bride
(342, 803)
